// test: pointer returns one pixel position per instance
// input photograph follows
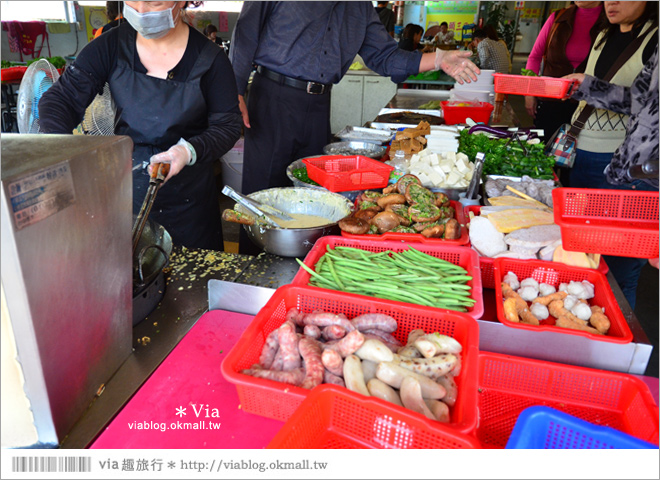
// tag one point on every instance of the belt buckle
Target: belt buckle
(310, 85)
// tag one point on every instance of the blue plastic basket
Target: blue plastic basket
(548, 428)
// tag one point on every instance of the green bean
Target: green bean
(334, 274)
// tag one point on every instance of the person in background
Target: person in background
(561, 48)
(113, 12)
(640, 102)
(386, 16)
(444, 36)
(411, 37)
(605, 130)
(300, 53)
(492, 54)
(176, 98)
(211, 32)
(492, 34)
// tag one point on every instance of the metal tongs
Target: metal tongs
(260, 209)
(158, 174)
(471, 192)
(516, 134)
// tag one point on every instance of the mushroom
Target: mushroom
(385, 221)
(391, 199)
(354, 225)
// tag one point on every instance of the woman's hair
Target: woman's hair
(491, 32)
(411, 30)
(112, 10)
(650, 13)
(209, 29)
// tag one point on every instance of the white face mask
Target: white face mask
(150, 24)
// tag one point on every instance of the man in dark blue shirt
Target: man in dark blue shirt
(300, 49)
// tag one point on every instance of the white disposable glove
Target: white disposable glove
(178, 156)
(457, 64)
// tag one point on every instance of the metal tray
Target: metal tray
(363, 134)
(365, 149)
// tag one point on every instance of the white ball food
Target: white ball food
(589, 288)
(512, 280)
(545, 289)
(582, 311)
(528, 293)
(577, 289)
(570, 301)
(563, 287)
(539, 311)
(530, 282)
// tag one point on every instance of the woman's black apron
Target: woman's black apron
(156, 113)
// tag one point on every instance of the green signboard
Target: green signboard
(452, 7)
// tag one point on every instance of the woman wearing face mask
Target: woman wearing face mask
(176, 98)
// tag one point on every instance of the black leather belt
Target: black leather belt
(313, 88)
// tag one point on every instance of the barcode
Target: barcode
(51, 464)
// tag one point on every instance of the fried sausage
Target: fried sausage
(288, 340)
(269, 350)
(325, 319)
(292, 377)
(332, 361)
(333, 332)
(310, 350)
(370, 321)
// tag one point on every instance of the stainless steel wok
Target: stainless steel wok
(151, 256)
(296, 242)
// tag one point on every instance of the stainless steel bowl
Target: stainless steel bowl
(297, 242)
(365, 149)
(351, 195)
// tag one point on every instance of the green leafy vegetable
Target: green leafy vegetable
(528, 73)
(301, 174)
(509, 160)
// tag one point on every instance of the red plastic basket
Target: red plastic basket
(464, 239)
(279, 401)
(554, 273)
(487, 264)
(549, 87)
(341, 173)
(458, 255)
(508, 385)
(12, 73)
(458, 114)
(611, 222)
(334, 417)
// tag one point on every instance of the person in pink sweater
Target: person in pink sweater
(560, 49)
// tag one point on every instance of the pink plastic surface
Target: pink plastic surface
(191, 375)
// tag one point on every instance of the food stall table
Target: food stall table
(224, 284)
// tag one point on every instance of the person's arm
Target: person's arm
(62, 107)
(245, 40)
(382, 55)
(601, 94)
(538, 50)
(219, 90)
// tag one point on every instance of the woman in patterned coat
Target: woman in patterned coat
(640, 145)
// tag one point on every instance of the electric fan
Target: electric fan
(38, 78)
(99, 117)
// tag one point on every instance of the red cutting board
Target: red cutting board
(189, 376)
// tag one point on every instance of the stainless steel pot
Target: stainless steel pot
(151, 257)
(297, 242)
